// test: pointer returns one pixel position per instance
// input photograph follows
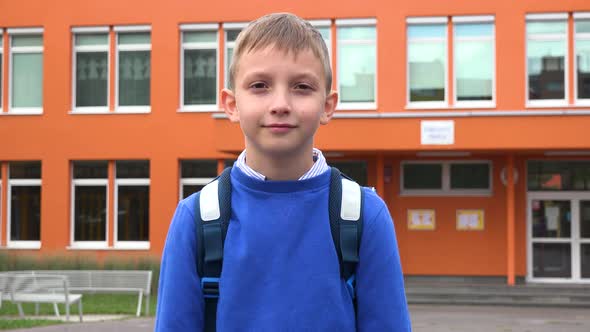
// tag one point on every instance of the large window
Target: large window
(582, 58)
(134, 68)
(89, 204)
(132, 200)
(199, 60)
(26, 71)
(546, 59)
(427, 61)
(357, 63)
(446, 178)
(91, 69)
(474, 64)
(92, 62)
(232, 30)
(473, 49)
(195, 174)
(24, 206)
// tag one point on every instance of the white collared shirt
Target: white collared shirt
(319, 166)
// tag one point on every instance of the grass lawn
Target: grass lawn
(107, 304)
(9, 324)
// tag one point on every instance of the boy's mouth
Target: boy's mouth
(279, 125)
(279, 128)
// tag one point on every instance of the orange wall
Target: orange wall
(164, 136)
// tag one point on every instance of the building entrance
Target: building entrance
(558, 236)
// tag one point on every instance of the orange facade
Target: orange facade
(509, 131)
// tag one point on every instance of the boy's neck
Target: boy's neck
(280, 167)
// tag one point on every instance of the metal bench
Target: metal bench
(107, 281)
(39, 288)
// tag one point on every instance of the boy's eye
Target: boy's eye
(303, 86)
(258, 85)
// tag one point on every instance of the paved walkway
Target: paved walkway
(425, 318)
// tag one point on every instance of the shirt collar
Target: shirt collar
(319, 166)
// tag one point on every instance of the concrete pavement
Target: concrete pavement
(425, 318)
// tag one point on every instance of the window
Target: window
(26, 71)
(133, 68)
(446, 178)
(91, 68)
(199, 57)
(473, 49)
(132, 204)
(323, 27)
(24, 206)
(355, 169)
(546, 59)
(1, 68)
(92, 61)
(473, 62)
(89, 204)
(582, 58)
(357, 63)
(195, 174)
(427, 62)
(558, 175)
(232, 30)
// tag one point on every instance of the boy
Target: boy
(280, 269)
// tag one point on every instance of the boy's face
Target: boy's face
(279, 100)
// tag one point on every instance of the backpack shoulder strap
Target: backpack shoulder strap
(346, 223)
(212, 215)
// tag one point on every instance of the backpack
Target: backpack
(213, 212)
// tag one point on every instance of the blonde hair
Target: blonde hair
(285, 32)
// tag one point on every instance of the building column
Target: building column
(220, 166)
(510, 219)
(380, 185)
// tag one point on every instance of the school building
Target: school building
(470, 118)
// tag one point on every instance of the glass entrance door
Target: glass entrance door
(585, 238)
(558, 233)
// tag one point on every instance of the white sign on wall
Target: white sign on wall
(437, 132)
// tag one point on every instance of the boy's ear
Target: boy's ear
(329, 107)
(228, 102)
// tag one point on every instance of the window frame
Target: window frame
(18, 244)
(234, 26)
(198, 181)
(128, 182)
(489, 19)
(24, 50)
(367, 22)
(122, 48)
(585, 37)
(320, 24)
(206, 27)
(446, 189)
(94, 48)
(191, 182)
(417, 21)
(550, 17)
(85, 182)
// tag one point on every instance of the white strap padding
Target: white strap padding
(209, 202)
(351, 201)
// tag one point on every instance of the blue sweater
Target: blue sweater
(280, 269)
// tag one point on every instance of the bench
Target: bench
(38, 288)
(99, 281)
(109, 281)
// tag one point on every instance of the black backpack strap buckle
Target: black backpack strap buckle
(210, 287)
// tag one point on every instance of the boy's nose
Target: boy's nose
(280, 103)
